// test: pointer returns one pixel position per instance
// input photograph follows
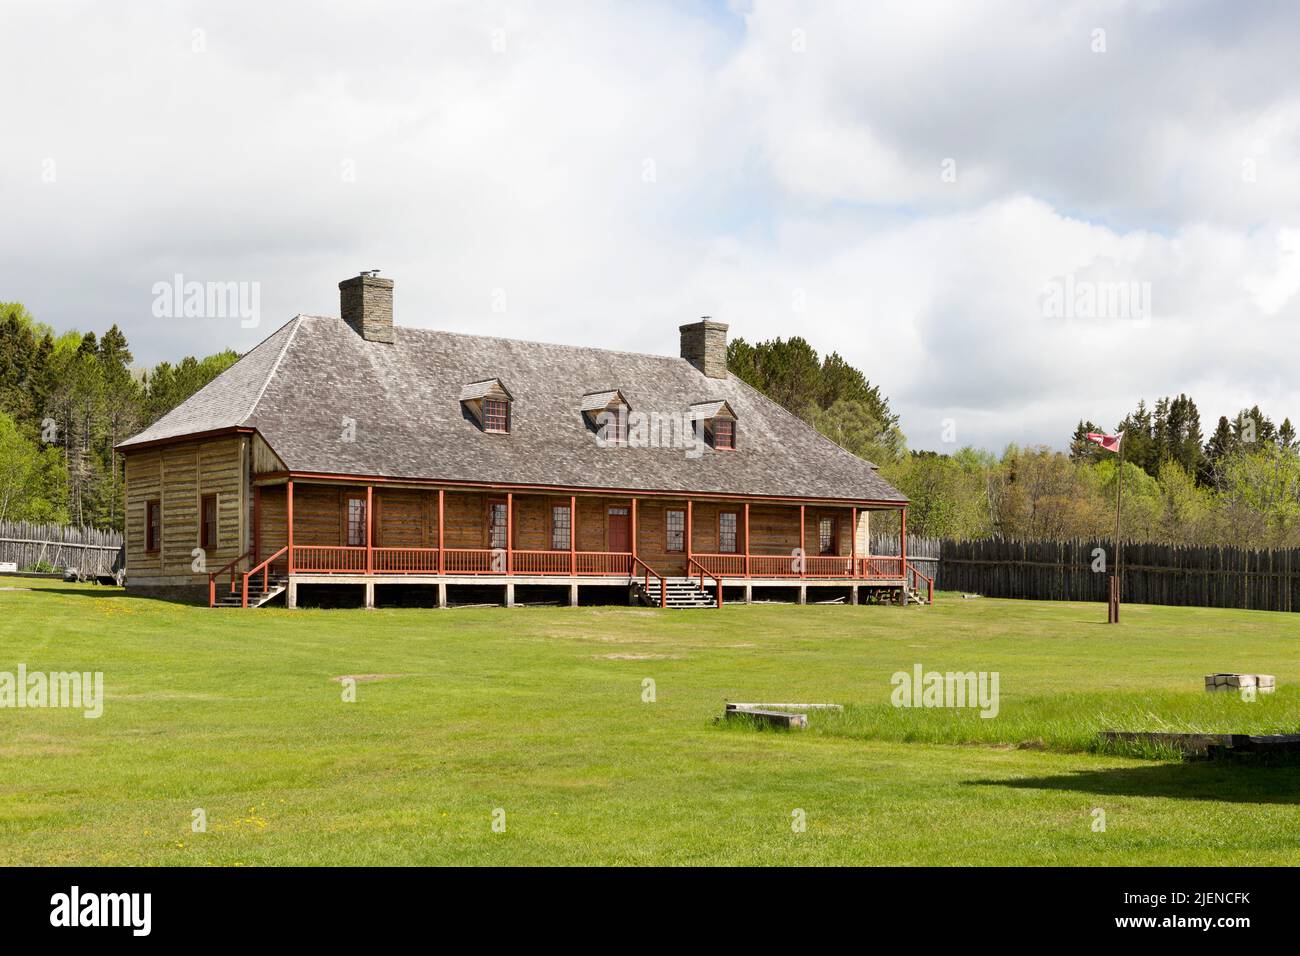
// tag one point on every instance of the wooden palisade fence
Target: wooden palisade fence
(1256, 579)
(89, 550)
(921, 552)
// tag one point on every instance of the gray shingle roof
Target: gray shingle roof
(229, 399)
(597, 401)
(298, 386)
(706, 410)
(477, 390)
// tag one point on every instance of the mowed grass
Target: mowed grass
(539, 712)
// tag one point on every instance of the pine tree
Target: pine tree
(1223, 444)
(1139, 442)
(1286, 437)
(1081, 449)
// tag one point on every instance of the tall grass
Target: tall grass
(1069, 722)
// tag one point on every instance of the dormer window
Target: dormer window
(606, 414)
(717, 423)
(496, 415)
(488, 403)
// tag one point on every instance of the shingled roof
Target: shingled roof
(299, 385)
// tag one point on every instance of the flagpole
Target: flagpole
(1119, 555)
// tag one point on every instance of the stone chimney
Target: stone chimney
(704, 345)
(366, 302)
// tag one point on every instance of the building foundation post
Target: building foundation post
(370, 595)
(291, 594)
(510, 595)
(573, 595)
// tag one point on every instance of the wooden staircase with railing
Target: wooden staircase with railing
(251, 588)
(258, 594)
(913, 584)
(675, 592)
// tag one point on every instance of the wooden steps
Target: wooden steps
(682, 593)
(256, 595)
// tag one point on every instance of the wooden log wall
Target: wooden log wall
(1248, 578)
(89, 550)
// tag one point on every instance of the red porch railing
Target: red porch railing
(732, 565)
(692, 565)
(328, 559)
(773, 566)
(645, 583)
(914, 579)
(265, 569)
(881, 567)
(828, 566)
(612, 563)
(336, 559)
(475, 561)
(213, 575)
(541, 562)
(788, 566)
(406, 560)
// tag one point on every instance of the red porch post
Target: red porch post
(902, 550)
(510, 532)
(289, 513)
(688, 535)
(442, 564)
(370, 529)
(633, 527)
(746, 539)
(573, 535)
(853, 543)
(803, 543)
(257, 523)
(902, 539)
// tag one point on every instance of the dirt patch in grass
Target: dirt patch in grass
(638, 657)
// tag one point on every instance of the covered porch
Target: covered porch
(309, 531)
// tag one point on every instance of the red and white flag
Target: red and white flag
(1108, 442)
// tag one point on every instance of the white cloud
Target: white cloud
(472, 150)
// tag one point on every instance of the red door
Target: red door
(618, 538)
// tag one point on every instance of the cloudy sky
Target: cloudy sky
(911, 184)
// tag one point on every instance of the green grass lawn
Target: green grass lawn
(539, 712)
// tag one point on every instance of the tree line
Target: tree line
(66, 400)
(1241, 486)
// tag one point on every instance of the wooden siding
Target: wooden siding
(265, 460)
(178, 476)
(407, 517)
(272, 525)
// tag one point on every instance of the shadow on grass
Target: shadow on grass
(120, 594)
(1233, 780)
